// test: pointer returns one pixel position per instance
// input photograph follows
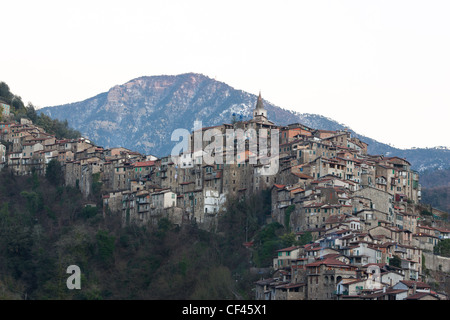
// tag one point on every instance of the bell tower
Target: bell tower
(259, 113)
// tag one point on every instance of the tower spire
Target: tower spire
(259, 103)
(260, 113)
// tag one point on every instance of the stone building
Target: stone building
(323, 275)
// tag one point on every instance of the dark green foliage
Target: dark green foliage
(267, 241)
(44, 230)
(5, 93)
(14, 101)
(287, 216)
(395, 262)
(54, 173)
(305, 238)
(60, 129)
(96, 184)
(288, 239)
(34, 202)
(106, 246)
(96, 194)
(443, 248)
(89, 212)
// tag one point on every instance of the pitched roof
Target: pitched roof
(419, 295)
(302, 175)
(144, 164)
(288, 249)
(291, 285)
(330, 261)
(259, 103)
(419, 284)
(335, 218)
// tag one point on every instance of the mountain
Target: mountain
(142, 114)
(436, 188)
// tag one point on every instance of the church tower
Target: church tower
(260, 114)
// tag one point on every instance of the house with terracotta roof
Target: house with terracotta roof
(142, 170)
(384, 294)
(284, 257)
(422, 296)
(425, 241)
(362, 253)
(442, 233)
(413, 287)
(354, 287)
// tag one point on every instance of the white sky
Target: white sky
(380, 67)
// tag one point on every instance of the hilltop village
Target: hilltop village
(362, 211)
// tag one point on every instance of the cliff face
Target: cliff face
(142, 114)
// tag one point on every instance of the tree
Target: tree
(395, 262)
(5, 93)
(287, 216)
(31, 112)
(305, 238)
(443, 248)
(106, 246)
(288, 239)
(34, 201)
(54, 173)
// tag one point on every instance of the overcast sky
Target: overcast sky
(380, 67)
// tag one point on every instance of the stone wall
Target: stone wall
(437, 263)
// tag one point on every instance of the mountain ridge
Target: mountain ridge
(142, 113)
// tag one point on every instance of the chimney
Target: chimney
(414, 288)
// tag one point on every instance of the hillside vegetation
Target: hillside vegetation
(56, 127)
(436, 188)
(45, 227)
